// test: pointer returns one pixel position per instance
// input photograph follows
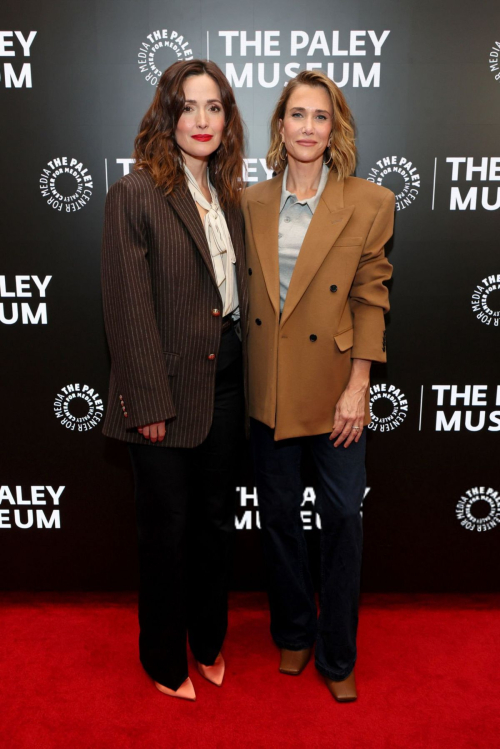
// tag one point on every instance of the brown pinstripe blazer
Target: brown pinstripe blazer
(159, 290)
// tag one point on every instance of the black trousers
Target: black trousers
(340, 490)
(185, 499)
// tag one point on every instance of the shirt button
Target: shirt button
(280, 236)
(211, 357)
(216, 312)
(287, 219)
(333, 287)
(313, 337)
(258, 321)
(249, 271)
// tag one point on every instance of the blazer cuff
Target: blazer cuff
(139, 410)
(369, 334)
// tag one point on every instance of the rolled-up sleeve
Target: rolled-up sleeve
(369, 297)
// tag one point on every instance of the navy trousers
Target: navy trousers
(341, 482)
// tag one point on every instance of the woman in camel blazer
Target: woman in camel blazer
(316, 270)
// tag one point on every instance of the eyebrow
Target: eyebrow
(303, 109)
(209, 101)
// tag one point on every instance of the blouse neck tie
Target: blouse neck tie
(217, 233)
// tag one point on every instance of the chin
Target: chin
(205, 151)
(199, 153)
(307, 158)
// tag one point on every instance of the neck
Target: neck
(198, 168)
(304, 177)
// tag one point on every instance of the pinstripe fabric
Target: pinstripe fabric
(159, 290)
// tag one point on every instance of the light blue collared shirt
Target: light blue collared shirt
(295, 217)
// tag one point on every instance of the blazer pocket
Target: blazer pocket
(345, 340)
(172, 363)
(348, 241)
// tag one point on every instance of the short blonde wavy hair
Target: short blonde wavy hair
(343, 147)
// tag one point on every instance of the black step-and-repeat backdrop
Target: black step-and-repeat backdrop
(423, 80)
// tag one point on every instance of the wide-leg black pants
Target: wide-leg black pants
(185, 499)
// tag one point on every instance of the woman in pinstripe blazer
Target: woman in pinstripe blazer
(173, 287)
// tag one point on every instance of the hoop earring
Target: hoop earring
(329, 159)
(282, 156)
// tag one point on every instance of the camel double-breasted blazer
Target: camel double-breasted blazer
(300, 364)
(162, 311)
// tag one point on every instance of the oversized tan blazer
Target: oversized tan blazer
(300, 364)
(162, 311)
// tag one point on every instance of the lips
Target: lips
(306, 142)
(202, 138)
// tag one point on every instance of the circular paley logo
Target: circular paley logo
(486, 301)
(78, 407)
(400, 176)
(162, 48)
(388, 408)
(66, 184)
(479, 509)
(494, 60)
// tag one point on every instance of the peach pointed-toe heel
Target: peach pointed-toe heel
(214, 673)
(185, 691)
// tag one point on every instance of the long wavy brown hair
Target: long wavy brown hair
(341, 156)
(156, 149)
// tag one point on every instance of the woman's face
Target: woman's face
(308, 122)
(201, 124)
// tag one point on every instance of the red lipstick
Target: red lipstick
(202, 138)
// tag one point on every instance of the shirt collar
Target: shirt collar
(197, 194)
(290, 197)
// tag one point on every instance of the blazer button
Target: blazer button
(211, 357)
(120, 397)
(249, 271)
(313, 337)
(125, 414)
(333, 288)
(216, 312)
(258, 321)
(123, 408)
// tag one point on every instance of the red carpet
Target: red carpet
(428, 676)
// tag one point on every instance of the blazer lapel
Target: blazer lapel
(234, 225)
(264, 216)
(329, 219)
(234, 220)
(186, 209)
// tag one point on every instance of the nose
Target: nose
(202, 120)
(308, 126)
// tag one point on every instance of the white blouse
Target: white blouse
(219, 243)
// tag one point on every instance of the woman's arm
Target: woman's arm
(369, 301)
(139, 365)
(368, 297)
